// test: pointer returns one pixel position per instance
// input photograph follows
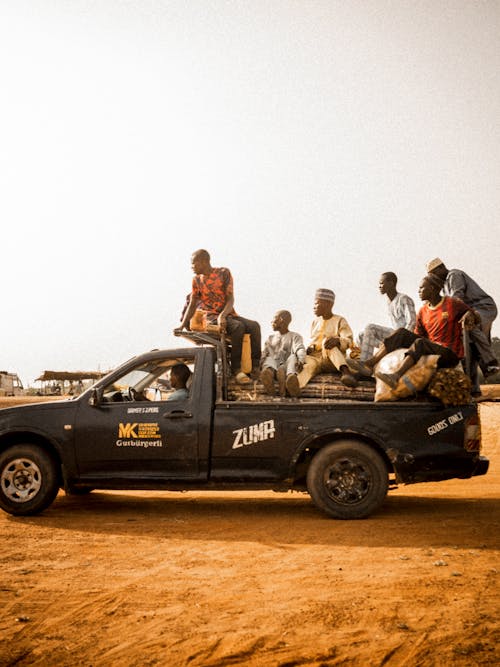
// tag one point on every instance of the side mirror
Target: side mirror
(95, 397)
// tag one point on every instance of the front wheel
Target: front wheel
(28, 480)
(348, 479)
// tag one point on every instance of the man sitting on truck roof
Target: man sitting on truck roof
(460, 285)
(331, 336)
(283, 356)
(212, 293)
(438, 331)
(401, 311)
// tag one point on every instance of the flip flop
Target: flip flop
(242, 378)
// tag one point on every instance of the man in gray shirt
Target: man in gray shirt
(283, 357)
(401, 309)
(461, 286)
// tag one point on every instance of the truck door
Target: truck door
(139, 430)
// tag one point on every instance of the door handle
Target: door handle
(178, 414)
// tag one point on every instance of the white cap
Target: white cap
(433, 264)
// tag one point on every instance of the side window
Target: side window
(159, 380)
(175, 384)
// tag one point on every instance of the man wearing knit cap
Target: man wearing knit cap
(331, 336)
(461, 286)
(438, 331)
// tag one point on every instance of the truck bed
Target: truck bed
(325, 386)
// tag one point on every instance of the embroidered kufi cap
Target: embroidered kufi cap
(325, 294)
(433, 264)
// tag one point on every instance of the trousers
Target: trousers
(418, 347)
(237, 327)
(372, 336)
(290, 363)
(324, 361)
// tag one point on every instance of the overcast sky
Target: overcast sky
(304, 143)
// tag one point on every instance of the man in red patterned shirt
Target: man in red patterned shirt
(438, 331)
(212, 292)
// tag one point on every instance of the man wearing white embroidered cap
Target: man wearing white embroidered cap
(331, 336)
(460, 285)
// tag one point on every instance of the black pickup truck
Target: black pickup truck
(335, 443)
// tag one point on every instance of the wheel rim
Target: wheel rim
(347, 481)
(21, 480)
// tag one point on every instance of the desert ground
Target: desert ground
(258, 579)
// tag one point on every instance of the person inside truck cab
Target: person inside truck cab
(212, 293)
(438, 331)
(331, 336)
(179, 378)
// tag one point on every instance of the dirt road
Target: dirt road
(220, 579)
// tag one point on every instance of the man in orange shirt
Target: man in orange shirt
(212, 292)
(438, 331)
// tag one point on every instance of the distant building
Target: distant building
(10, 384)
(57, 383)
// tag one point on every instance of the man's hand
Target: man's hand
(181, 328)
(333, 341)
(299, 365)
(469, 320)
(310, 349)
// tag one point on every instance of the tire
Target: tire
(348, 479)
(29, 480)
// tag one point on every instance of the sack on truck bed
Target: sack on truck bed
(413, 381)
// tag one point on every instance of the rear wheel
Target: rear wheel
(348, 480)
(28, 480)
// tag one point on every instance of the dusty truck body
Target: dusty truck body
(124, 433)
